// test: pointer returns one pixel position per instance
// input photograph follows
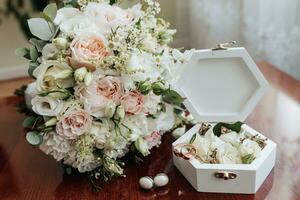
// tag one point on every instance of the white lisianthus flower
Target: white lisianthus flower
(65, 13)
(107, 17)
(227, 154)
(142, 146)
(30, 93)
(77, 25)
(46, 106)
(50, 74)
(249, 147)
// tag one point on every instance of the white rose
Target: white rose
(202, 146)
(106, 16)
(46, 106)
(30, 93)
(65, 13)
(215, 141)
(80, 24)
(231, 137)
(50, 74)
(249, 147)
(227, 154)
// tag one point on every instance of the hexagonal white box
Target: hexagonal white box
(223, 86)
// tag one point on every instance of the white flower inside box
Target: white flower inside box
(223, 86)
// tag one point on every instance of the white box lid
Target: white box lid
(221, 85)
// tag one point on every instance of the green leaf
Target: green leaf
(32, 67)
(248, 159)
(34, 138)
(237, 126)
(51, 11)
(158, 88)
(28, 122)
(40, 28)
(111, 2)
(22, 52)
(193, 138)
(33, 54)
(39, 44)
(172, 97)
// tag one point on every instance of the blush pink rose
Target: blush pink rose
(101, 91)
(87, 49)
(110, 87)
(153, 140)
(133, 102)
(74, 123)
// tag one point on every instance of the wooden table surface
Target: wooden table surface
(26, 173)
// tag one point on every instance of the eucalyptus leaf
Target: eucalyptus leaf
(248, 159)
(172, 97)
(39, 44)
(28, 122)
(31, 68)
(51, 11)
(33, 54)
(40, 28)
(237, 126)
(34, 138)
(22, 52)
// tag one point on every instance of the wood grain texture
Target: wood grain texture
(26, 173)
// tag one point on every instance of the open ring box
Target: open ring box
(223, 86)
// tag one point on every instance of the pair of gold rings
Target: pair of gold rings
(185, 151)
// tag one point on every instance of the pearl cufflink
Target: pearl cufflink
(159, 180)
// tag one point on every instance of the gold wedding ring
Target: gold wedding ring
(185, 151)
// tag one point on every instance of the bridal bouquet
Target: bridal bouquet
(102, 83)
